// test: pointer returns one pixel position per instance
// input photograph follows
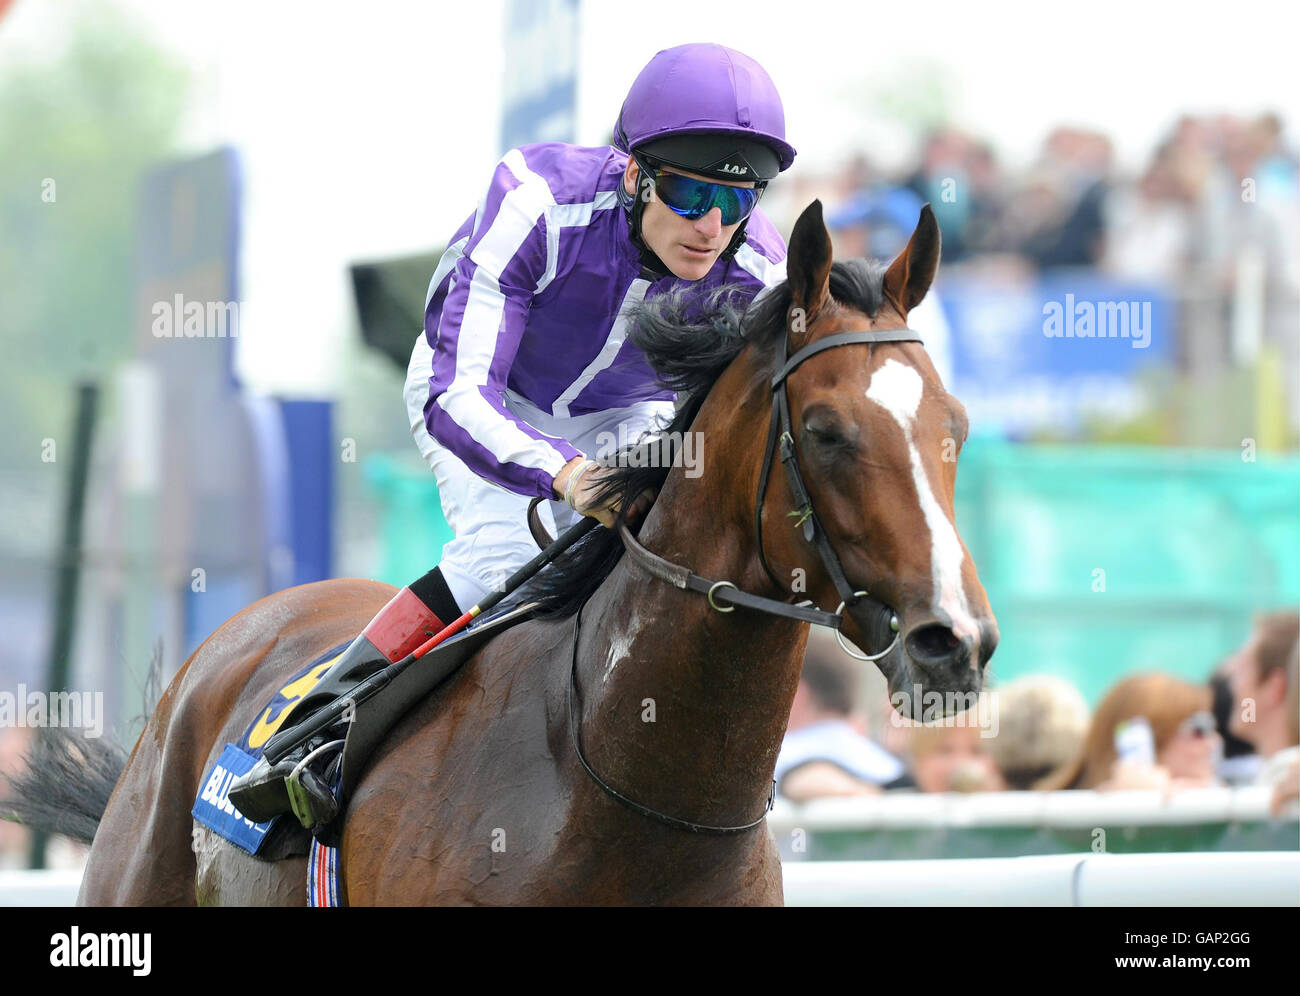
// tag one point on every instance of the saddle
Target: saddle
(376, 716)
(282, 836)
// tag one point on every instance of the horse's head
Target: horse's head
(876, 438)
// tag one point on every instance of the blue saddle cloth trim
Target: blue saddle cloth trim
(212, 808)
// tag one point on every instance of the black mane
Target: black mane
(688, 338)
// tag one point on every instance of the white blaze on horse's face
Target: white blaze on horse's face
(897, 388)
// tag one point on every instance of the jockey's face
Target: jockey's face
(688, 248)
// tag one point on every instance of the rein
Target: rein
(726, 592)
(672, 821)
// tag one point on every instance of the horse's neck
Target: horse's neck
(684, 707)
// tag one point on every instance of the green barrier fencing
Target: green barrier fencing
(917, 826)
(1102, 561)
(412, 529)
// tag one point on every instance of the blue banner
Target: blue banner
(1047, 353)
(540, 91)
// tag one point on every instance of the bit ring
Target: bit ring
(721, 584)
(853, 651)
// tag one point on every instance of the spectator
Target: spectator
(1078, 163)
(1284, 767)
(984, 229)
(943, 179)
(1263, 679)
(1042, 720)
(878, 222)
(1149, 225)
(954, 755)
(1239, 764)
(1182, 727)
(824, 753)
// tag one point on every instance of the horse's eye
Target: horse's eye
(826, 436)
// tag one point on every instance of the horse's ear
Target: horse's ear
(808, 262)
(910, 275)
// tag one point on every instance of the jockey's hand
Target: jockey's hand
(580, 493)
(576, 485)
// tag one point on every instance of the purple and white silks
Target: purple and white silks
(529, 297)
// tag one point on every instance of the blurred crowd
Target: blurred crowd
(1151, 731)
(1208, 224)
(1213, 188)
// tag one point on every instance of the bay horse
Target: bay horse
(679, 702)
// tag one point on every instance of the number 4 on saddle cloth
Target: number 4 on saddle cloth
(368, 723)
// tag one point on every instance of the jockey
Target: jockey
(524, 363)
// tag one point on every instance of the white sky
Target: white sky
(367, 130)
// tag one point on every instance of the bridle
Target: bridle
(779, 431)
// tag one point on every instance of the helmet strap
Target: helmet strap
(737, 240)
(652, 267)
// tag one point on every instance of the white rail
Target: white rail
(53, 887)
(1260, 878)
(1257, 878)
(899, 810)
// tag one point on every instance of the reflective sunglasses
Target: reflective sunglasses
(694, 199)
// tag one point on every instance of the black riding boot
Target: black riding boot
(301, 780)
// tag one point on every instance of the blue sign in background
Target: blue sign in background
(1012, 375)
(540, 92)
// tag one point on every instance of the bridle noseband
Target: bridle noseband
(779, 430)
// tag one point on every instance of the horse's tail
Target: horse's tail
(68, 778)
(66, 784)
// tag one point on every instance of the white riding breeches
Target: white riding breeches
(490, 523)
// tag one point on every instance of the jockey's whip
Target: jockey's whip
(286, 740)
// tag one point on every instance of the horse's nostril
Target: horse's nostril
(988, 643)
(934, 642)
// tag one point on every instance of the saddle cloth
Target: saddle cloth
(282, 836)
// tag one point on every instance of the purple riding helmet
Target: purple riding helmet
(707, 109)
